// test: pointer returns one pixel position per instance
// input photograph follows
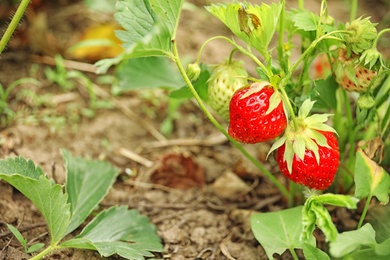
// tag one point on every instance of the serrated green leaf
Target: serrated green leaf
(351, 241)
(305, 20)
(279, 231)
(253, 24)
(118, 230)
(48, 198)
(150, 72)
(88, 182)
(370, 178)
(20, 165)
(337, 200)
(149, 27)
(314, 253)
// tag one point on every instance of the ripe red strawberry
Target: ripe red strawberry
(254, 115)
(307, 171)
(351, 75)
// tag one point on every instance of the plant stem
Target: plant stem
(374, 44)
(44, 253)
(13, 24)
(239, 48)
(301, 4)
(202, 106)
(354, 7)
(364, 213)
(294, 254)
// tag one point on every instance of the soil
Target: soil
(179, 181)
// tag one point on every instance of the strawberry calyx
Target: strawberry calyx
(304, 135)
(362, 35)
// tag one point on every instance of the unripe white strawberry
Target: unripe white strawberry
(352, 75)
(226, 79)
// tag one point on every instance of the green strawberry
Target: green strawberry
(352, 75)
(223, 82)
(362, 35)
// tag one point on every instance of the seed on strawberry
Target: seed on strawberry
(256, 114)
(352, 75)
(307, 171)
(224, 81)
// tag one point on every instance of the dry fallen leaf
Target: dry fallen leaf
(179, 171)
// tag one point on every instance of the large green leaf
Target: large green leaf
(150, 72)
(279, 231)
(118, 230)
(363, 240)
(149, 28)
(253, 24)
(88, 182)
(48, 198)
(370, 178)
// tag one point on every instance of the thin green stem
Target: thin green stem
(301, 4)
(13, 24)
(44, 253)
(281, 37)
(239, 48)
(364, 213)
(202, 106)
(374, 45)
(294, 254)
(354, 8)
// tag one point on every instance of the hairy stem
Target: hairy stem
(13, 24)
(211, 118)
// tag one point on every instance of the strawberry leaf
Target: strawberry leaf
(48, 198)
(314, 253)
(120, 231)
(149, 26)
(150, 72)
(370, 178)
(87, 184)
(360, 244)
(256, 24)
(279, 231)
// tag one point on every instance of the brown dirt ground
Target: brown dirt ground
(201, 222)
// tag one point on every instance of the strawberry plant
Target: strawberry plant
(329, 131)
(320, 120)
(116, 230)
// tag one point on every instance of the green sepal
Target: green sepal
(306, 137)
(274, 102)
